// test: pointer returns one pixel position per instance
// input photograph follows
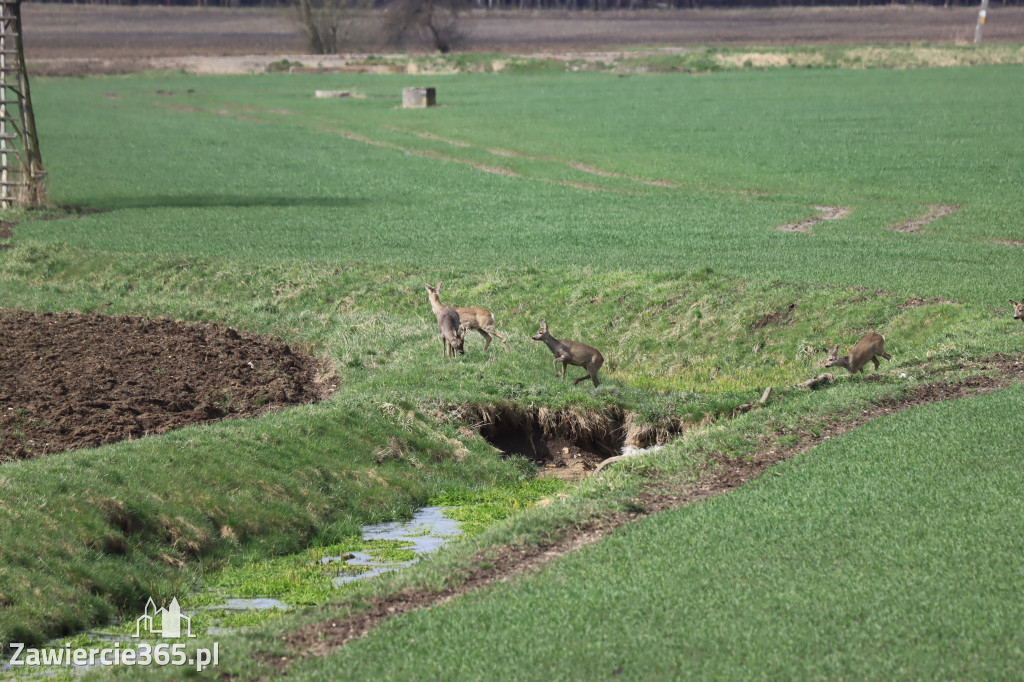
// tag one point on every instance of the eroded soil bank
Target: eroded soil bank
(71, 380)
(567, 444)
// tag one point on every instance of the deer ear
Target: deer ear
(438, 287)
(1013, 301)
(833, 350)
(429, 288)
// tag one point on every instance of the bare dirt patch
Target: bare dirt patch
(778, 317)
(917, 302)
(71, 380)
(935, 211)
(724, 473)
(824, 213)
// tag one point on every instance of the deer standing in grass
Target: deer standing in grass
(479, 319)
(869, 348)
(571, 353)
(1018, 310)
(447, 322)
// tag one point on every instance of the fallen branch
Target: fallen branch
(816, 381)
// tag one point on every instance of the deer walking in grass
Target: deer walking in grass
(571, 353)
(479, 319)
(871, 347)
(1018, 310)
(448, 323)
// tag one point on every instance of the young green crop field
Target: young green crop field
(637, 213)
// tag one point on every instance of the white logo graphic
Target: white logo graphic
(170, 621)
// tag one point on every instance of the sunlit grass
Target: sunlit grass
(636, 214)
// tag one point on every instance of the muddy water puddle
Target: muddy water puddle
(427, 531)
(384, 547)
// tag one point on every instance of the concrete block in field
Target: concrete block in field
(418, 98)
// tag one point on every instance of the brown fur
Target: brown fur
(870, 348)
(448, 323)
(1018, 310)
(571, 353)
(481, 320)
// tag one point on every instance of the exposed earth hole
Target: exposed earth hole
(567, 444)
(72, 380)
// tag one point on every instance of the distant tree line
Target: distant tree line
(577, 5)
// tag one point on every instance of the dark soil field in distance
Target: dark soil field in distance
(119, 39)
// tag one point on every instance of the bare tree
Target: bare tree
(328, 24)
(431, 22)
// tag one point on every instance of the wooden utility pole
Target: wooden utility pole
(21, 164)
(981, 21)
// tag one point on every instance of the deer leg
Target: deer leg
(591, 374)
(886, 356)
(501, 336)
(487, 337)
(565, 366)
(874, 359)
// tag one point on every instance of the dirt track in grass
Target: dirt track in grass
(724, 473)
(70, 380)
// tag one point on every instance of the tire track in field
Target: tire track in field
(723, 473)
(825, 213)
(574, 165)
(412, 151)
(353, 137)
(331, 126)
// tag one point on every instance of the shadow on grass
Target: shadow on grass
(227, 201)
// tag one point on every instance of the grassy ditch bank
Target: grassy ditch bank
(893, 550)
(517, 564)
(93, 534)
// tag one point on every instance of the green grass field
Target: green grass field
(892, 552)
(637, 213)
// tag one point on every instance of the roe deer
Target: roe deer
(1018, 310)
(868, 348)
(571, 353)
(447, 323)
(479, 319)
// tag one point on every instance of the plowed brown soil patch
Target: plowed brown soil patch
(71, 380)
